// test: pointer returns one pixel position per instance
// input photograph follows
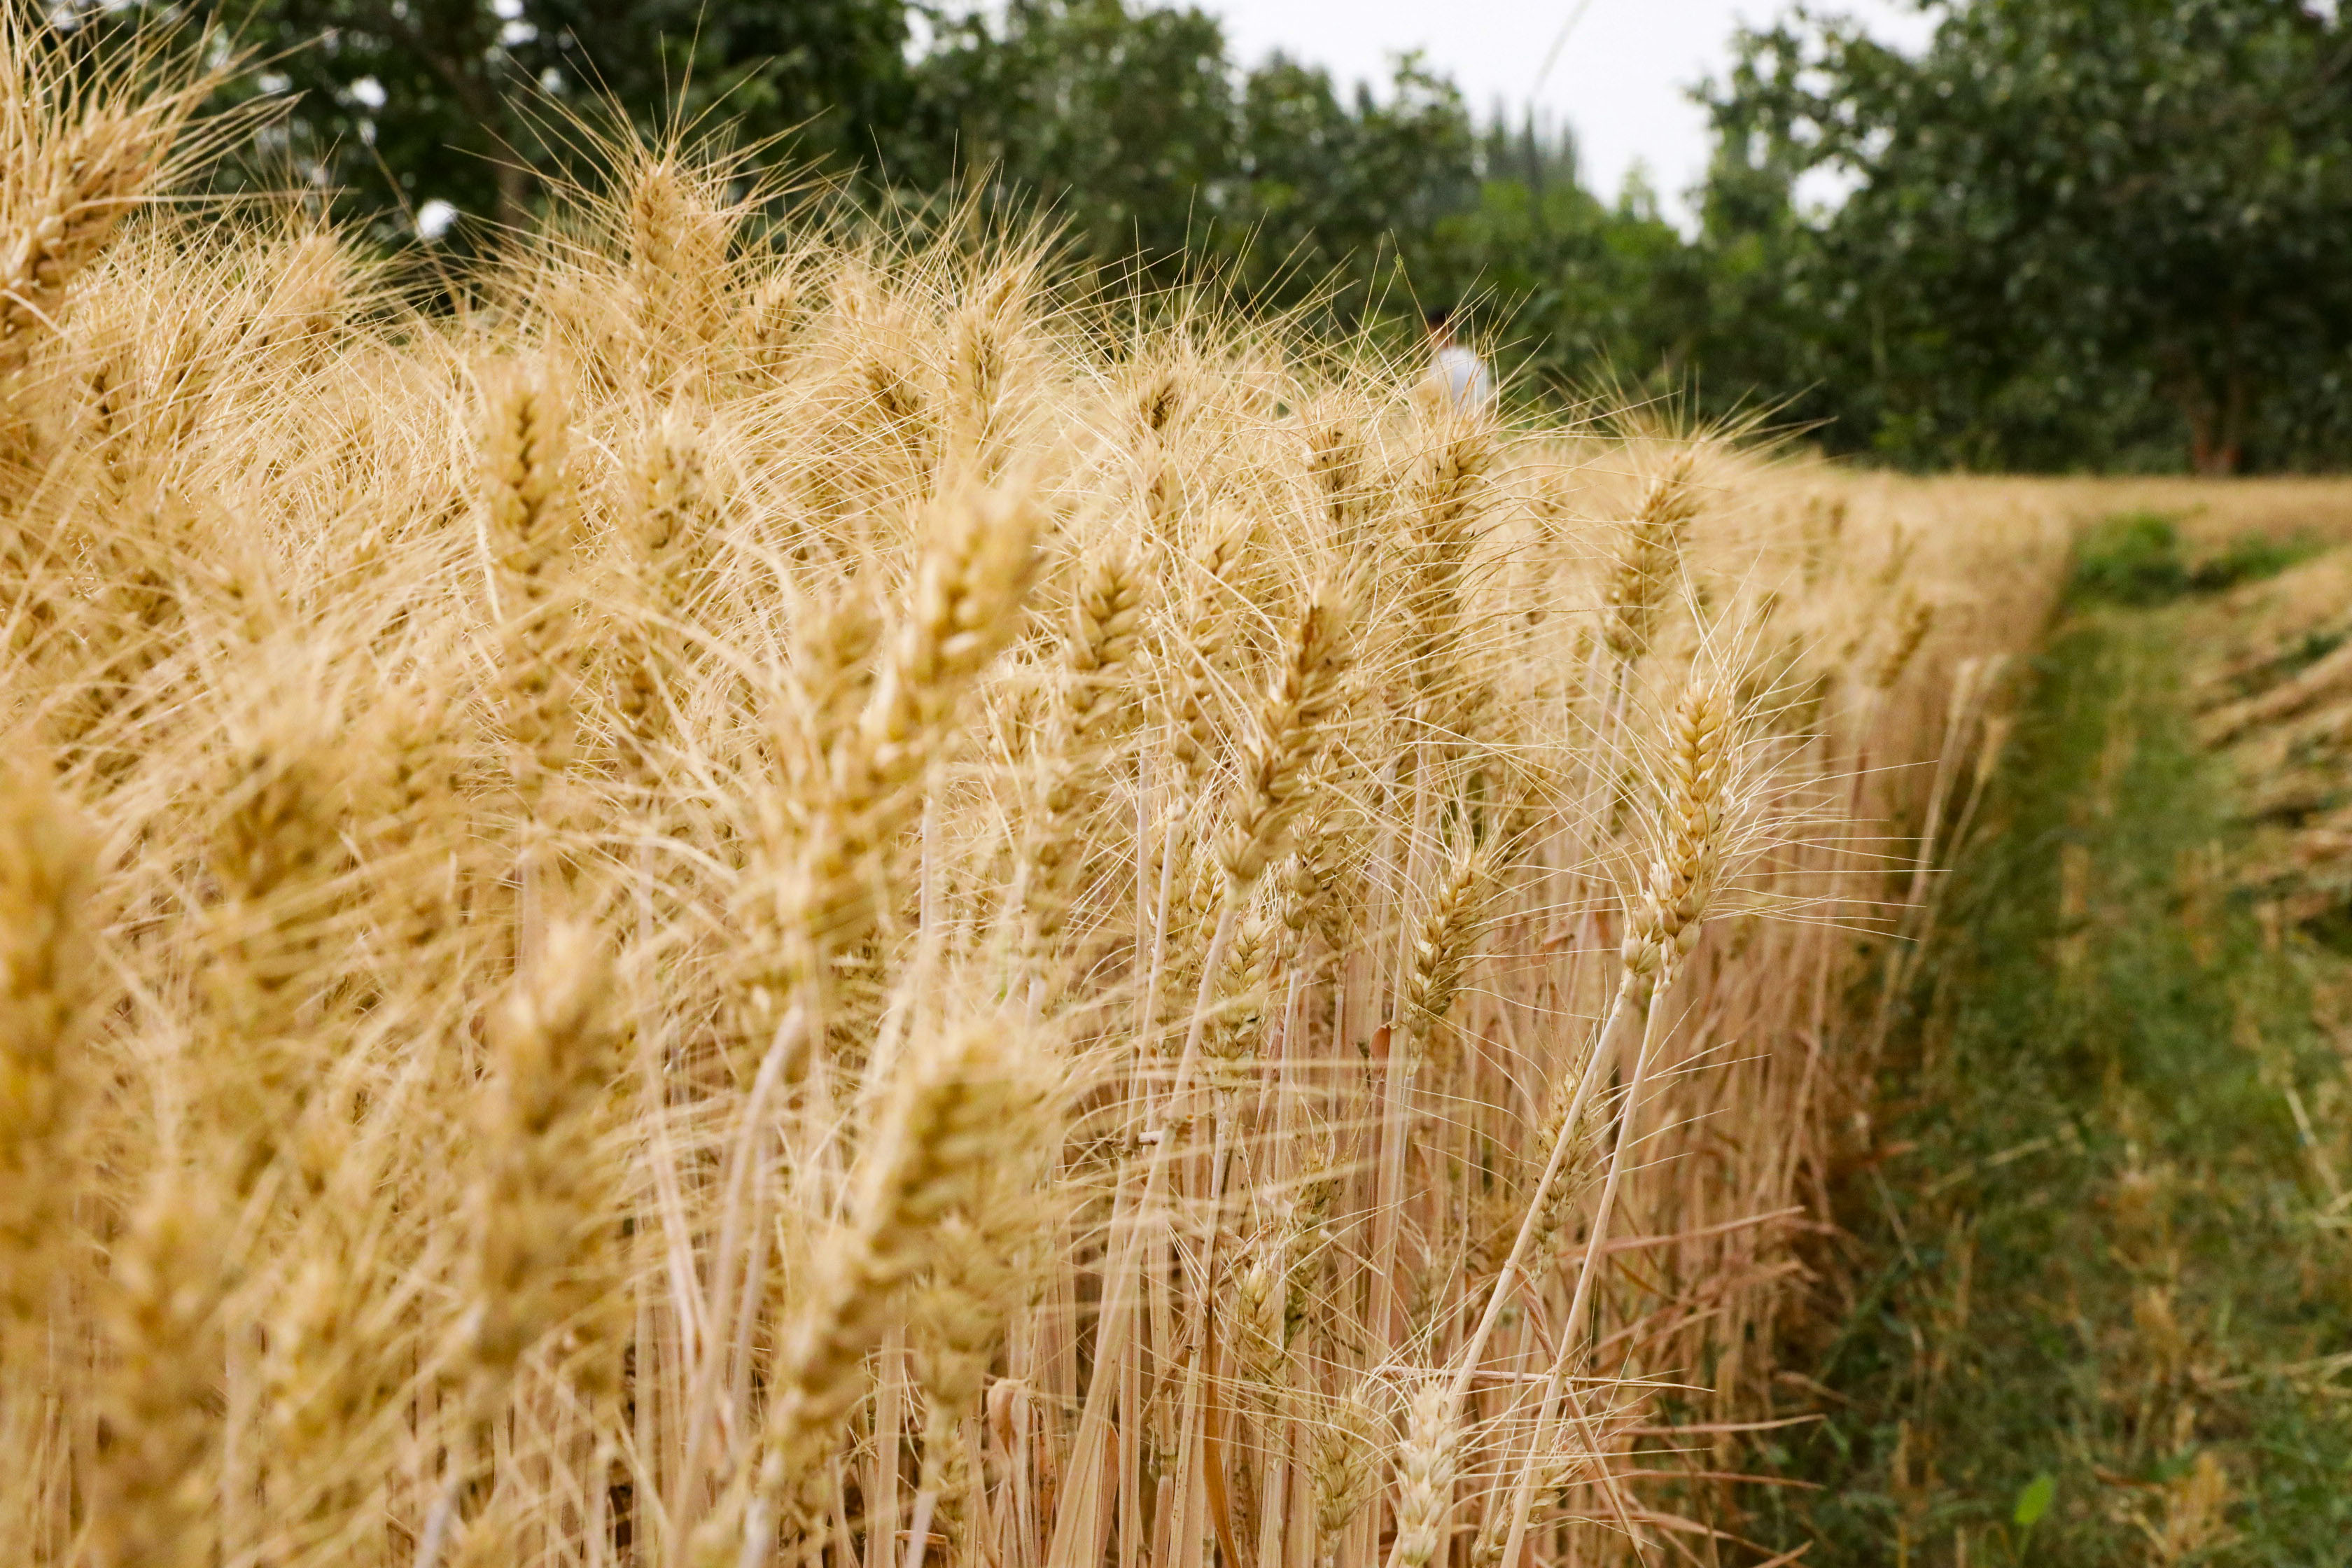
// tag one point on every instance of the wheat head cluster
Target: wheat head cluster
(772, 895)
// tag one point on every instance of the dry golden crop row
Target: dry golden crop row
(769, 898)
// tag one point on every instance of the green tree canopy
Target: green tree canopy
(398, 102)
(1135, 127)
(2068, 218)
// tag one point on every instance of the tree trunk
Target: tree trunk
(2199, 414)
(514, 191)
(460, 58)
(2217, 424)
(2215, 394)
(2237, 397)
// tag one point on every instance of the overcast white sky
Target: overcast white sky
(1619, 79)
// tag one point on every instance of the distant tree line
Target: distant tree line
(2071, 234)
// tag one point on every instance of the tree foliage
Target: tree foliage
(394, 103)
(2076, 232)
(2078, 228)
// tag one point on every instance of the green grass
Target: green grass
(2137, 559)
(2086, 1129)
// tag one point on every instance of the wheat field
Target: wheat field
(771, 895)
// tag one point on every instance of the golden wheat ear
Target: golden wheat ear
(544, 1201)
(1342, 1468)
(680, 229)
(1104, 637)
(960, 1107)
(161, 1306)
(545, 1198)
(97, 143)
(1306, 696)
(531, 518)
(814, 890)
(46, 972)
(1682, 878)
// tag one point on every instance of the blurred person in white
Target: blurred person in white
(1460, 374)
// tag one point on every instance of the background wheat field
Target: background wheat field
(769, 895)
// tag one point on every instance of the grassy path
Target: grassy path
(2096, 1307)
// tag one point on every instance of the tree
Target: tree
(1121, 122)
(398, 102)
(1132, 125)
(2067, 215)
(1562, 288)
(1336, 193)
